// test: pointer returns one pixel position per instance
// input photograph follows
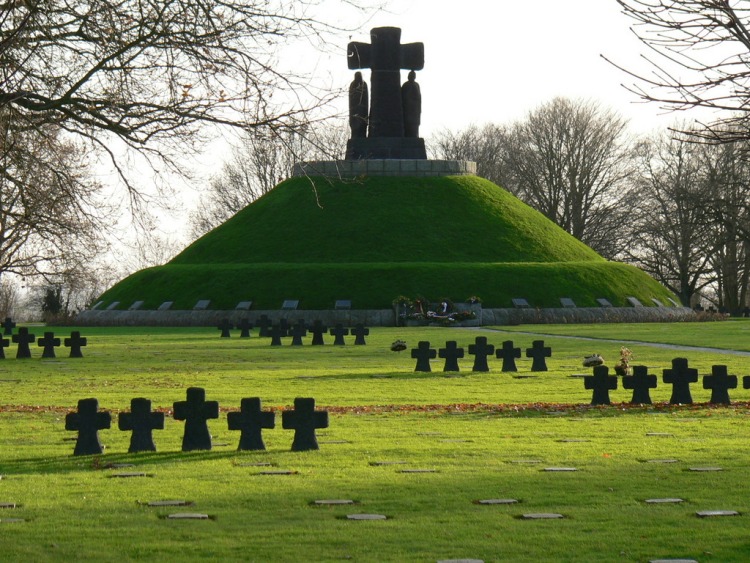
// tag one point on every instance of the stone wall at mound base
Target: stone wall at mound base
(385, 317)
(385, 167)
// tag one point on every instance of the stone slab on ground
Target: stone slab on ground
(715, 513)
(366, 517)
(188, 516)
(664, 500)
(542, 516)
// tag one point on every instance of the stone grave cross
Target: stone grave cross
(338, 334)
(318, 329)
(298, 332)
(49, 342)
(88, 421)
(538, 352)
(225, 326)
(277, 332)
(680, 377)
(251, 421)
(75, 343)
(481, 350)
(245, 327)
(8, 326)
(196, 411)
(640, 382)
(264, 326)
(141, 421)
(720, 382)
(601, 382)
(509, 354)
(359, 332)
(23, 339)
(304, 420)
(423, 354)
(451, 353)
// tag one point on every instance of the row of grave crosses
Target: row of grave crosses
(196, 412)
(297, 331)
(24, 339)
(423, 353)
(680, 376)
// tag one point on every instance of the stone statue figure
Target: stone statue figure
(411, 98)
(359, 105)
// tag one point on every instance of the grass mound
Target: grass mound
(374, 239)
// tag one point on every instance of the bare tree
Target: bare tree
(484, 145)
(699, 52)
(570, 160)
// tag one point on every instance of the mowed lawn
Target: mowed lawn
(469, 436)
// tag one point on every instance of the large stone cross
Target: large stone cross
(386, 56)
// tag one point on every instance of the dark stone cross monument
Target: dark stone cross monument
(75, 343)
(359, 332)
(49, 342)
(88, 421)
(640, 382)
(141, 422)
(392, 122)
(225, 327)
(481, 350)
(680, 377)
(720, 382)
(196, 411)
(276, 332)
(304, 420)
(509, 354)
(251, 421)
(423, 354)
(538, 352)
(245, 327)
(318, 330)
(23, 339)
(601, 382)
(298, 332)
(451, 353)
(338, 334)
(8, 326)
(264, 326)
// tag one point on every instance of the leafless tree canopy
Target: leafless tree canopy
(699, 52)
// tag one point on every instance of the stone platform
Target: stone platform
(385, 167)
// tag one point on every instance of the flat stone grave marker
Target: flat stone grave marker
(520, 303)
(304, 420)
(225, 327)
(251, 421)
(163, 503)
(8, 505)
(202, 305)
(423, 354)
(256, 464)
(75, 343)
(567, 303)
(141, 422)
(166, 306)
(713, 513)
(4, 343)
(664, 500)
(659, 435)
(366, 517)
(359, 332)
(538, 352)
(338, 333)
(23, 339)
(87, 421)
(8, 326)
(460, 561)
(634, 302)
(112, 306)
(495, 501)
(481, 351)
(662, 461)
(136, 305)
(290, 305)
(245, 326)
(656, 302)
(333, 502)
(526, 461)
(672, 561)
(244, 306)
(298, 332)
(417, 471)
(640, 382)
(318, 330)
(542, 516)
(720, 382)
(128, 475)
(680, 377)
(188, 516)
(11, 520)
(572, 440)
(451, 354)
(560, 469)
(508, 354)
(705, 469)
(278, 472)
(196, 411)
(386, 463)
(604, 302)
(601, 383)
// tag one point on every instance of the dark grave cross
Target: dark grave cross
(451, 353)
(680, 377)
(75, 343)
(4, 343)
(23, 339)
(225, 326)
(277, 333)
(601, 382)
(386, 56)
(720, 382)
(538, 352)
(284, 324)
(304, 420)
(318, 329)
(338, 334)
(245, 327)
(509, 354)
(423, 354)
(640, 382)
(359, 332)
(480, 350)
(264, 326)
(195, 411)
(49, 342)
(298, 332)
(251, 421)
(87, 421)
(8, 326)
(746, 382)
(141, 422)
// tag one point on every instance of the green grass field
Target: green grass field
(485, 435)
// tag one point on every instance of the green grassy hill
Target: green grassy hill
(376, 238)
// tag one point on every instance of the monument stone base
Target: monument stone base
(385, 167)
(386, 147)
